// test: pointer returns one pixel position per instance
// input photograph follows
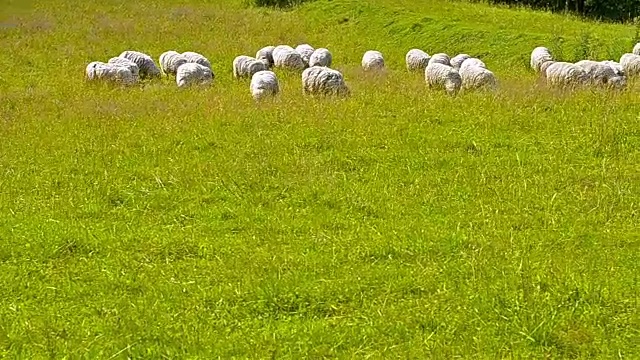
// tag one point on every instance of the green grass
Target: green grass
(397, 223)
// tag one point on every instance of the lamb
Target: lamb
(443, 76)
(631, 64)
(266, 54)
(319, 80)
(135, 70)
(286, 57)
(193, 74)
(305, 51)
(372, 60)
(417, 60)
(246, 66)
(194, 57)
(472, 62)
(170, 61)
(636, 49)
(600, 74)
(109, 72)
(564, 74)
(148, 68)
(321, 57)
(457, 60)
(476, 77)
(539, 56)
(264, 83)
(440, 58)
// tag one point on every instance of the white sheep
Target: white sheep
(472, 62)
(372, 60)
(286, 57)
(135, 70)
(416, 60)
(321, 57)
(319, 80)
(194, 57)
(266, 54)
(441, 76)
(109, 72)
(305, 51)
(564, 74)
(246, 66)
(457, 60)
(539, 56)
(148, 68)
(616, 66)
(636, 49)
(476, 77)
(170, 61)
(264, 83)
(600, 73)
(193, 74)
(440, 58)
(631, 64)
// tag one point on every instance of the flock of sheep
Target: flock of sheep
(441, 72)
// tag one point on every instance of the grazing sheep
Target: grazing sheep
(319, 80)
(457, 60)
(135, 70)
(636, 49)
(565, 74)
(616, 66)
(266, 54)
(264, 83)
(305, 51)
(631, 64)
(472, 62)
(417, 60)
(170, 61)
(286, 57)
(193, 74)
(321, 57)
(476, 77)
(194, 57)
(539, 56)
(440, 58)
(441, 76)
(109, 72)
(600, 74)
(246, 66)
(148, 68)
(372, 60)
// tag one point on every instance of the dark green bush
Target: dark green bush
(278, 3)
(617, 10)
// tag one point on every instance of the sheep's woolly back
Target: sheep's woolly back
(135, 70)
(193, 74)
(266, 54)
(631, 64)
(281, 48)
(440, 58)
(170, 61)
(616, 66)
(246, 66)
(321, 57)
(457, 60)
(319, 80)
(475, 77)
(264, 83)
(305, 51)
(194, 57)
(566, 74)
(636, 49)
(109, 72)
(600, 73)
(417, 60)
(539, 56)
(472, 62)
(372, 60)
(148, 68)
(441, 76)
(287, 58)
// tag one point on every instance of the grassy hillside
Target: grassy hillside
(150, 222)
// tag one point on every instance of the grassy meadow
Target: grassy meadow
(153, 222)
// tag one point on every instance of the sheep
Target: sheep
(600, 74)
(286, 57)
(321, 57)
(616, 66)
(147, 67)
(170, 61)
(135, 70)
(457, 60)
(631, 64)
(565, 74)
(193, 74)
(194, 57)
(246, 66)
(476, 77)
(264, 83)
(443, 76)
(305, 51)
(539, 56)
(472, 62)
(372, 60)
(440, 58)
(109, 72)
(636, 49)
(266, 54)
(323, 81)
(417, 60)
